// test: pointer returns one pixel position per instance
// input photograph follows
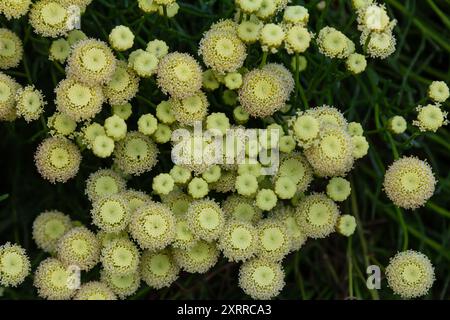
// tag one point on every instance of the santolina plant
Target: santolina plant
(239, 159)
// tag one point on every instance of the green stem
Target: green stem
(394, 147)
(439, 140)
(350, 267)
(404, 228)
(297, 82)
(439, 210)
(166, 17)
(264, 58)
(439, 12)
(433, 244)
(362, 239)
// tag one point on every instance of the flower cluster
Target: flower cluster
(198, 210)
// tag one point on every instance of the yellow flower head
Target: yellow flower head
(14, 265)
(241, 208)
(49, 227)
(346, 225)
(438, 91)
(332, 155)
(148, 6)
(355, 129)
(179, 75)
(249, 31)
(11, 49)
(123, 85)
(144, 63)
(199, 258)
(8, 91)
(91, 62)
(205, 219)
(239, 240)
(136, 154)
(122, 285)
(153, 226)
(30, 103)
(409, 182)
(272, 37)
(261, 279)
(379, 44)
(397, 124)
(317, 215)
(249, 6)
(262, 93)
(295, 167)
(267, 9)
(111, 213)
(338, 189)
(222, 51)
(103, 146)
(60, 124)
(14, 9)
(121, 38)
(360, 147)
(59, 50)
(79, 247)
(57, 159)
(297, 15)
(334, 44)
(120, 257)
(373, 17)
(158, 269)
(297, 39)
(53, 280)
(158, 48)
(410, 274)
(94, 290)
(356, 63)
(273, 239)
(430, 118)
(49, 18)
(77, 100)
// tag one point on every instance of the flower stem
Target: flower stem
(264, 58)
(166, 17)
(350, 267)
(404, 229)
(298, 84)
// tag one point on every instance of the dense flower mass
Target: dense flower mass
(220, 149)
